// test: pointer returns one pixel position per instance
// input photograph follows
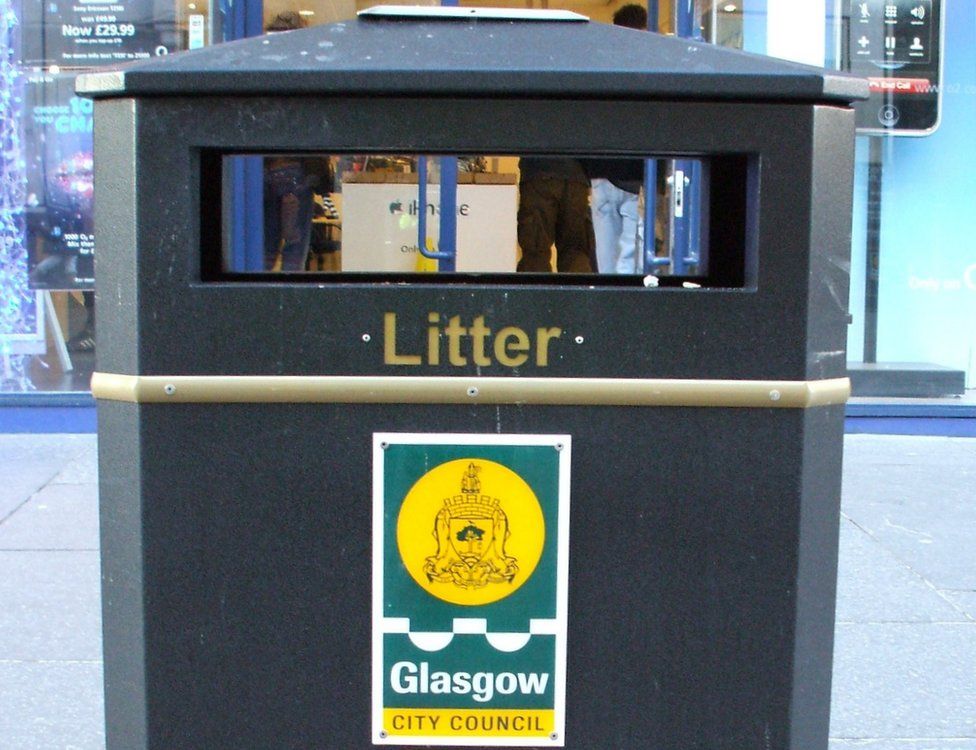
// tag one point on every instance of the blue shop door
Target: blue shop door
(674, 189)
(684, 176)
(247, 174)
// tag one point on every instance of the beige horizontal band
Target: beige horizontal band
(192, 389)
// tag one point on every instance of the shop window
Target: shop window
(48, 274)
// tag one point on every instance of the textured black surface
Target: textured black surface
(236, 539)
(474, 58)
(788, 322)
(701, 593)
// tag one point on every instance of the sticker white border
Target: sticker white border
(563, 444)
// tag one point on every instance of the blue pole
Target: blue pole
(684, 251)
(241, 19)
(422, 205)
(681, 248)
(696, 245)
(448, 229)
(253, 17)
(446, 258)
(253, 206)
(648, 259)
(686, 23)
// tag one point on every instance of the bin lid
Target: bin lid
(474, 53)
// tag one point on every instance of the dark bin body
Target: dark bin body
(236, 536)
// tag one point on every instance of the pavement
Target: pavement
(905, 657)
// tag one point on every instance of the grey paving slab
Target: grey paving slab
(925, 515)
(967, 444)
(60, 516)
(51, 706)
(904, 681)
(905, 450)
(895, 483)
(84, 468)
(874, 586)
(961, 744)
(67, 447)
(31, 461)
(964, 600)
(51, 606)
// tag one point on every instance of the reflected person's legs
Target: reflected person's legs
(537, 213)
(272, 230)
(631, 242)
(607, 223)
(296, 213)
(575, 242)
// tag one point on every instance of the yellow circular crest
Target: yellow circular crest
(470, 531)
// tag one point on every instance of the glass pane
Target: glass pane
(283, 15)
(47, 337)
(306, 213)
(722, 23)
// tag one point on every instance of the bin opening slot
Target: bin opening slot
(645, 220)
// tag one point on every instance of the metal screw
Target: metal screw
(775, 395)
(554, 736)
(472, 391)
(384, 446)
(383, 735)
(169, 389)
(579, 339)
(367, 338)
(559, 446)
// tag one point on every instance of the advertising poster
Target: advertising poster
(470, 563)
(59, 205)
(379, 227)
(86, 33)
(897, 46)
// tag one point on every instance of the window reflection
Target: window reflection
(313, 213)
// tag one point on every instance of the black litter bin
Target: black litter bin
(473, 508)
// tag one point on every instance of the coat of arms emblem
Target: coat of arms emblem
(471, 530)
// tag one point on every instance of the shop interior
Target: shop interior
(899, 313)
(406, 214)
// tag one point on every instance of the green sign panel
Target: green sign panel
(470, 561)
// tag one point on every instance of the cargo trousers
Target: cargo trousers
(554, 210)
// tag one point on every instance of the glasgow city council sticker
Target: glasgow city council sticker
(470, 564)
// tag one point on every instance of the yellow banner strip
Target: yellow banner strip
(194, 389)
(446, 722)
